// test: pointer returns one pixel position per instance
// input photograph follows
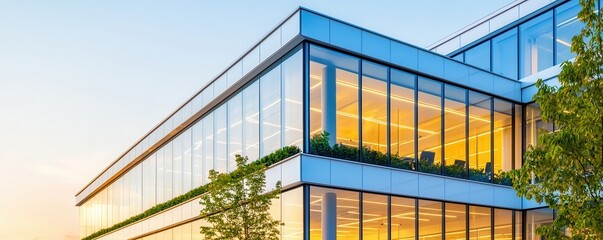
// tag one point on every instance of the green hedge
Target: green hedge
(266, 161)
(319, 145)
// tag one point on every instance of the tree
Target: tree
(568, 163)
(236, 205)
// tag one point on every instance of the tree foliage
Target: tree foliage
(567, 164)
(236, 206)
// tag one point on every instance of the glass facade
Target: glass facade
(532, 46)
(434, 127)
(234, 127)
(404, 216)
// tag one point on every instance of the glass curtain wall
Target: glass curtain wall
(536, 44)
(233, 127)
(567, 25)
(407, 121)
(341, 211)
(504, 54)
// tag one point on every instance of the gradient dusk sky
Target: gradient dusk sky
(81, 81)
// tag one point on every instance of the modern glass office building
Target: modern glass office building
(420, 139)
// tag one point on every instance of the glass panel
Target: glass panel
(168, 172)
(503, 224)
(293, 97)
(235, 131)
(479, 56)
(347, 212)
(568, 26)
(374, 217)
(535, 219)
(459, 57)
(336, 113)
(430, 220)
(479, 223)
(402, 120)
(504, 54)
(221, 133)
(160, 173)
(197, 154)
(208, 146)
(374, 113)
(293, 216)
(456, 221)
(536, 44)
(270, 85)
(251, 126)
(177, 166)
(430, 125)
(455, 131)
(503, 139)
(403, 218)
(480, 165)
(518, 138)
(187, 177)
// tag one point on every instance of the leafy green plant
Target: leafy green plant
(479, 175)
(426, 167)
(402, 162)
(455, 171)
(374, 156)
(266, 161)
(503, 178)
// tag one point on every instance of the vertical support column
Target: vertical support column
(329, 216)
(329, 107)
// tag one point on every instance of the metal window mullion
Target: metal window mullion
(388, 114)
(554, 36)
(492, 139)
(389, 216)
(306, 98)
(306, 213)
(513, 228)
(416, 219)
(492, 221)
(467, 235)
(360, 149)
(467, 134)
(442, 128)
(282, 99)
(260, 121)
(443, 220)
(513, 135)
(416, 123)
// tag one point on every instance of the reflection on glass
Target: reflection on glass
(536, 44)
(430, 125)
(160, 177)
(455, 114)
(535, 219)
(374, 217)
(208, 146)
(518, 137)
(456, 221)
(177, 166)
(430, 220)
(270, 105)
(374, 113)
(479, 56)
(337, 114)
(197, 154)
(402, 120)
(567, 25)
(347, 213)
(480, 164)
(503, 139)
(168, 172)
(293, 216)
(403, 218)
(235, 131)
(292, 95)
(221, 134)
(504, 54)
(251, 122)
(187, 177)
(503, 224)
(479, 222)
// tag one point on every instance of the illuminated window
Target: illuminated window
(456, 221)
(402, 119)
(374, 112)
(455, 115)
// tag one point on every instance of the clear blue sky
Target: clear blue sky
(81, 81)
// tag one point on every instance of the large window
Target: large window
(535, 219)
(503, 224)
(235, 133)
(403, 218)
(374, 217)
(504, 54)
(345, 207)
(456, 221)
(292, 99)
(480, 137)
(567, 25)
(503, 137)
(334, 97)
(221, 139)
(402, 119)
(251, 126)
(374, 112)
(430, 220)
(536, 44)
(270, 106)
(480, 223)
(479, 56)
(455, 116)
(430, 125)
